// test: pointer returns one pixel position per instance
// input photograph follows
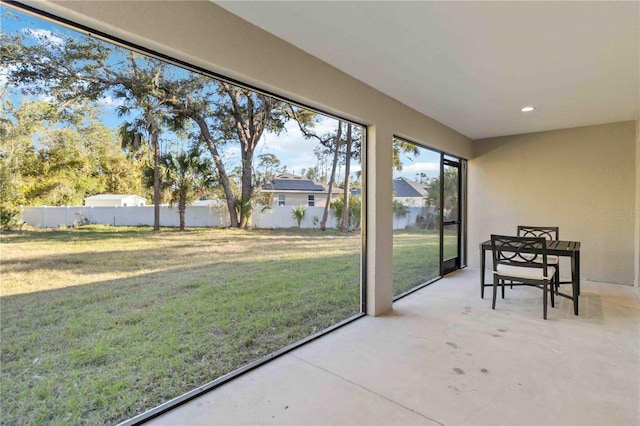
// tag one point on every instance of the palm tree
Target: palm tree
(185, 175)
(450, 190)
(132, 136)
(403, 147)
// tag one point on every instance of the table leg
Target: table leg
(578, 271)
(575, 279)
(482, 263)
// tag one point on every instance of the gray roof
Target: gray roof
(295, 185)
(289, 182)
(403, 187)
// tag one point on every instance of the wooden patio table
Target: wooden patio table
(569, 249)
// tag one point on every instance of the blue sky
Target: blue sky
(290, 147)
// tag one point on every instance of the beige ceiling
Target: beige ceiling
(473, 65)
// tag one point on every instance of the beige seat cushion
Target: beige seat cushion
(524, 272)
(551, 259)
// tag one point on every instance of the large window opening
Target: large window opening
(428, 231)
(242, 241)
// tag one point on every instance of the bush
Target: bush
(355, 209)
(399, 209)
(10, 218)
(299, 213)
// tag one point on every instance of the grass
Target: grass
(416, 257)
(100, 324)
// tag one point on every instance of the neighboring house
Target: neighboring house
(110, 200)
(291, 190)
(410, 193)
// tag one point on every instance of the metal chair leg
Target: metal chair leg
(544, 299)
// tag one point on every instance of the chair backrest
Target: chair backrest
(548, 232)
(529, 252)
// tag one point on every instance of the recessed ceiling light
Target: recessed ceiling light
(527, 109)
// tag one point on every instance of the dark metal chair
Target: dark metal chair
(523, 261)
(548, 232)
(551, 233)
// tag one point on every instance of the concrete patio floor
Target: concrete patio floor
(444, 357)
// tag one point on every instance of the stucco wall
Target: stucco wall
(581, 180)
(637, 212)
(293, 199)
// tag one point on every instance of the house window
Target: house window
(281, 200)
(311, 202)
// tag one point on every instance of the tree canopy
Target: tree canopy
(48, 158)
(76, 72)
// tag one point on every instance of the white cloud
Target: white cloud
(110, 102)
(409, 171)
(355, 168)
(43, 35)
(292, 148)
(46, 98)
(5, 70)
(304, 161)
(231, 152)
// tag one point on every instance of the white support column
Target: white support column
(379, 221)
(636, 257)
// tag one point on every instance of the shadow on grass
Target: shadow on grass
(101, 232)
(86, 233)
(103, 351)
(106, 351)
(166, 251)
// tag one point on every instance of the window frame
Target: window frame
(200, 390)
(463, 238)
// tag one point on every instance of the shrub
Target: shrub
(299, 213)
(10, 217)
(399, 209)
(355, 209)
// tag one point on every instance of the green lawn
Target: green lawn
(416, 257)
(100, 324)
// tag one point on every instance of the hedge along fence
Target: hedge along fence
(195, 216)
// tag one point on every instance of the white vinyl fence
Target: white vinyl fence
(195, 216)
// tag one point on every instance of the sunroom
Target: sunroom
(453, 79)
